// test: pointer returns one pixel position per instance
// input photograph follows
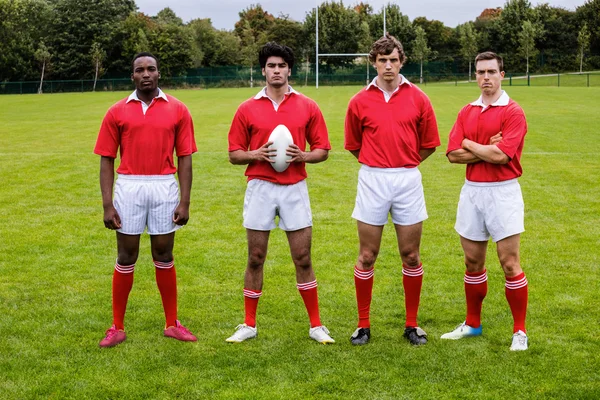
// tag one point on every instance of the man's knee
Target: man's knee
(367, 258)
(302, 259)
(256, 258)
(411, 258)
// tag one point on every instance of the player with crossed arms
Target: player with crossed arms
(488, 136)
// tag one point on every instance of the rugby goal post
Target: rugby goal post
(317, 54)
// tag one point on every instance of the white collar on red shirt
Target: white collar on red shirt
(134, 97)
(263, 93)
(502, 101)
(386, 95)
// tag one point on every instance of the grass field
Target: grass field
(56, 262)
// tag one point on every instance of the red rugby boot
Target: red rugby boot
(180, 332)
(113, 337)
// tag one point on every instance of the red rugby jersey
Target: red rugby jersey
(390, 135)
(146, 142)
(505, 115)
(256, 118)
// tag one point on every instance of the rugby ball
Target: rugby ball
(282, 139)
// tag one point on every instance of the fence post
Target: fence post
(558, 75)
(510, 80)
(588, 80)
(528, 79)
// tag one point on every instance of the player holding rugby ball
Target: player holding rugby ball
(256, 137)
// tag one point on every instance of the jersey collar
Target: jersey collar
(501, 102)
(263, 93)
(403, 81)
(134, 96)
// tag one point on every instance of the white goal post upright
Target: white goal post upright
(317, 54)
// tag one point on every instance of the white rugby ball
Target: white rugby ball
(282, 139)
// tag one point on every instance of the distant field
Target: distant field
(56, 262)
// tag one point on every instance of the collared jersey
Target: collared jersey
(479, 123)
(390, 132)
(146, 139)
(256, 118)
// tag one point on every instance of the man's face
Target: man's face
(276, 71)
(489, 76)
(145, 74)
(388, 66)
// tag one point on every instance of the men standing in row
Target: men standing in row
(488, 136)
(146, 128)
(390, 128)
(270, 193)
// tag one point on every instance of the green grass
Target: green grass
(56, 262)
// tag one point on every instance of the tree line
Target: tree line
(83, 39)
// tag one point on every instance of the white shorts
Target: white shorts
(265, 200)
(146, 201)
(487, 209)
(398, 191)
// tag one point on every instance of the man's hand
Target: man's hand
(181, 214)
(497, 138)
(111, 218)
(296, 154)
(264, 153)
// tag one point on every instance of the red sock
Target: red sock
(250, 305)
(516, 293)
(412, 281)
(308, 291)
(166, 280)
(476, 287)
(121, 286)
(363, 282)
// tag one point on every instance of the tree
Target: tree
(98, 56)
(251, 42)
(168, 17)
(259, 20)
(76, 25)
(23, 25)
(468, 43)
(396, 24)
(526, 37)
(42, 55)
(420, 49)
(583, 40)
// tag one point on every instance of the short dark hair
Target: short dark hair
(144, 54)
(490, 55)
(272, 49)
(384, 46)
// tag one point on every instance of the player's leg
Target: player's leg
(369, 237)
(516, 287)
(306, 282)
(166, 280)
(258, 241)
(122, 282)
(475, 283)
(474, 236)
(409, 242)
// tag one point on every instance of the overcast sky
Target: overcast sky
(224, 13)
